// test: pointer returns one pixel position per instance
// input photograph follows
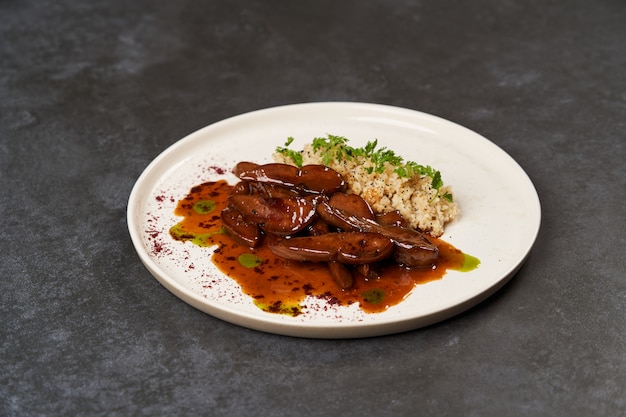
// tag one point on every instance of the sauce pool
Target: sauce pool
(279, 285)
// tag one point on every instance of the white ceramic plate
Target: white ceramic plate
(499, 220)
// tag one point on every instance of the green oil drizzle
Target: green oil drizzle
(204, 239)
(199, 239)
(249, 260)
(280, 308)
(373, 296)
(469, 263)
(204, 206)
(178, 233)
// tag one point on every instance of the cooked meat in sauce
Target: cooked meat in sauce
(306, 215)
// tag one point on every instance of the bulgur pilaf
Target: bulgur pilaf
(383, 179)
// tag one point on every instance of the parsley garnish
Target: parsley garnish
(336, 148)
(378, 157)
(332, 148)
(294, 155)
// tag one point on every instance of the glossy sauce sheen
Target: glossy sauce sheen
(280, 286)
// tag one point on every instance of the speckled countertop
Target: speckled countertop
(91, 92)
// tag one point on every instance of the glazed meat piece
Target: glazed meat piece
(244, 166)
(281, 216)
(351, 203)
(240, 230)
(318, 227)
(318, 179)
(391, 218)
(242, 187)
(412, 248)
(275, 173)
(271, 190)
(342, 275)
(347, 247)
(368, 271)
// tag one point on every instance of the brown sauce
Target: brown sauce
(280, 286)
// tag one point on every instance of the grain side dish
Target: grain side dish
(383, 179)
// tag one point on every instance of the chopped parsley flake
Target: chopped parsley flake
(295, 156)
(333, 148)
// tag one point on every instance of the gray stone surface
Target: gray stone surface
(91, 92)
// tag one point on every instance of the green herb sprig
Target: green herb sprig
(336, 148)
(333, 148)
(295, 156)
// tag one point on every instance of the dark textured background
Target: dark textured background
(91, 92)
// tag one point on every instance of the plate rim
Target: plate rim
(273, 323)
